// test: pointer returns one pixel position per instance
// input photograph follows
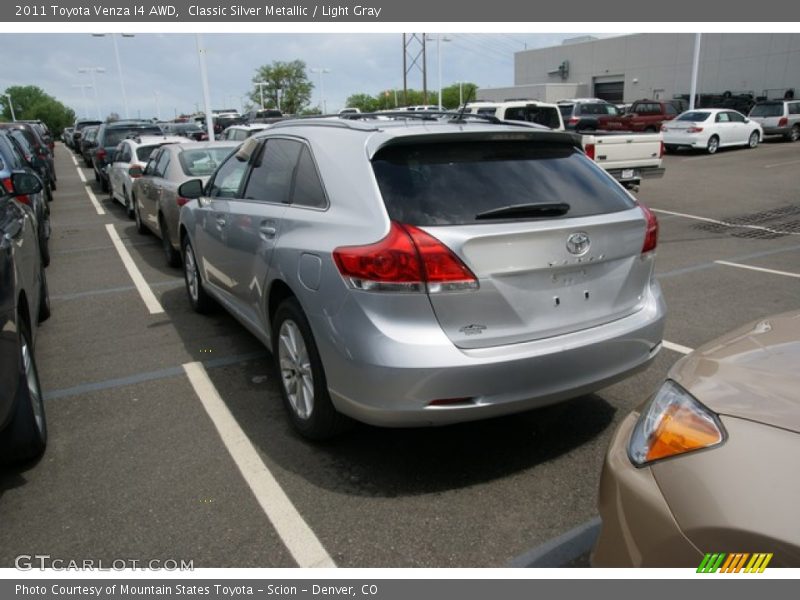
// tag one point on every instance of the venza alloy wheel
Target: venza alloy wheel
(302, 378)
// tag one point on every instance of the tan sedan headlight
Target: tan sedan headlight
(673, 423)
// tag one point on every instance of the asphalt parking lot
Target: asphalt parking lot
(143, 453)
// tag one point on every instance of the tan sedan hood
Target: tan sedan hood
(752, 373)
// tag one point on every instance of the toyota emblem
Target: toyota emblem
(578, 243)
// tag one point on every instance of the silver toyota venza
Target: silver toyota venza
(415, 271)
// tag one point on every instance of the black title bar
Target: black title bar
(388, 11)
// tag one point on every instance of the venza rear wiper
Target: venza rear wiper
(521, 211)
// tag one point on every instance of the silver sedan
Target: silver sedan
(156, 202)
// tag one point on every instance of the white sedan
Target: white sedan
(710, 129)
(128, 162)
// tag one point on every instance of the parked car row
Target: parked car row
(24, 303)
(421, 270)
(707, 129)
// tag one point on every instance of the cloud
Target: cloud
(168, 64)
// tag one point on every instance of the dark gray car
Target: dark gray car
(24, 303)
(411, 272)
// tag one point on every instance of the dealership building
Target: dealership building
(655, 66)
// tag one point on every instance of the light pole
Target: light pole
(158, 105)
(92, 71)
(201, 54)
(119, 67)
(439, 40)
(278, 97)
(83, 87)
(321, 71)
(695, 69)
(261, 85)
(460, 94)
(11, 106)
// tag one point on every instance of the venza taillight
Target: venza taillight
(651, 233)
(407, 260)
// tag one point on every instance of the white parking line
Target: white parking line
(761, 269)
(92, 198)
(100, 210)
(676, 347)
(725, 223)
(304, 546)
(783, 164)
(150, 300)
(74, 161)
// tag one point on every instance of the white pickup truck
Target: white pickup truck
(628, 157)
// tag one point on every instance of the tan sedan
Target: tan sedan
(710, 463)
(156, 202)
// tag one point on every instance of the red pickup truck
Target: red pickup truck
(644, 115)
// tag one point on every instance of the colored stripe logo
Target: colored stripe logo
(737, 562)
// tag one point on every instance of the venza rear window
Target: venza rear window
(452, 183)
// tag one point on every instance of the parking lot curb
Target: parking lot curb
(563, 549)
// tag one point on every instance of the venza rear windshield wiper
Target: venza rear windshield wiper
(521, 211)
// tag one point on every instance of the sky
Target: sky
(161, 71)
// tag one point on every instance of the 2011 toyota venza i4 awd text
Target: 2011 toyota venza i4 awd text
(407, 272)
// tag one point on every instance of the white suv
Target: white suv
(532, 111)
(128, 162)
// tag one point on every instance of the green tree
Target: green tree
(31, 102)
(450, 94)
(364, 102)
(288, 77)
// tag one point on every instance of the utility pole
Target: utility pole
(414, 57)
(92, 71)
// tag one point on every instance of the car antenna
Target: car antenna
(461, 112)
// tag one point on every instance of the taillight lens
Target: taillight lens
(589, 150)
(101, 154)
(651, 232)
(9, 187)
(694, 130)
(573, 120)
(180, 200)
(406, 260)
(783, 122)
(661, 150)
